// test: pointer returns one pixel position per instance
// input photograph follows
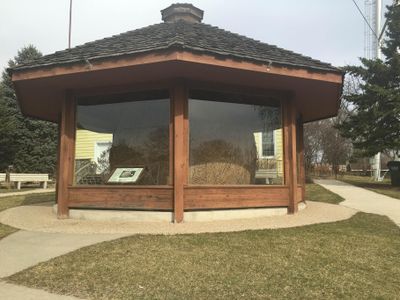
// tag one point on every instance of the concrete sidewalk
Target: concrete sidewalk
(37, 191)
(14, 292)
(25, 249)
(363, 199)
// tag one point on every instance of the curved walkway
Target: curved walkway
(37, 191)
(42, 219)
(363, 199)
(43, 236)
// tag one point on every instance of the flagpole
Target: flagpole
(70, 21)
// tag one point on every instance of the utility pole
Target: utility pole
(378, 55)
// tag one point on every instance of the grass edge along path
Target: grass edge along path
(355, 258)
(315, 192)
(18, 200)
(384, 187)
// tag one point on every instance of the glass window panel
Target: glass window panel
(123, 143)
(233, 143)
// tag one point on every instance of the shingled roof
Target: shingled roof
(180, 35)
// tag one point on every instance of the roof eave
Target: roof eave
(171, 47)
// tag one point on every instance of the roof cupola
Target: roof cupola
(182, 11)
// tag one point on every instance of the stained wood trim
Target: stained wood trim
(121, 89)
(186, 136)
(182, 56)
(238, 89)
(179, 97)
(171, 140)
(335, 77)
(66, 155)
(286, 140)
(302, 175)
(231, 186)
(300, 194)
(119, 187)
(291, 115)
(199, 197)
(151, 198)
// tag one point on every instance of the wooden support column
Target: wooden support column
(179, 98)
(290, 152)
(302, 175)
(66, 155)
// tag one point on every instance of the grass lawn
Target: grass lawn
(315, 192)
(358, 258)
(13, 201)
(366, 182)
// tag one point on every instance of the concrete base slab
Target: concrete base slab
(190, 216)
(42, 218)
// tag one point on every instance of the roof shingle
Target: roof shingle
(197, 37)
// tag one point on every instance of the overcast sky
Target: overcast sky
(332, 31)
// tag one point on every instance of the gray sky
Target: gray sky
(332, 31)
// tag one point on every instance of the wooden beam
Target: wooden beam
(293, 155)
(286, 141)
(178, 56)
(302, 174)
(179, 98)
(122, 197)
(66, 155)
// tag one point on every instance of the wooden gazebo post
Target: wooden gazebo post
(179, 97)
(66, 157)
(290, 152)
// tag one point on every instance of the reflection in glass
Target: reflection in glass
(122, 135)
(233, 143)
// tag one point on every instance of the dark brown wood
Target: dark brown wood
(300, 193)
(58, 156)
(121, 197)
(66, 155)
(300, 152)
(291, 116)
(121, 89)
(238, 89)
(179, 97)
(182, 56)
(286, 141)
(171, 142)
(219, 197)
(186, 137)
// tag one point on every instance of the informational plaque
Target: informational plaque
(125, 175)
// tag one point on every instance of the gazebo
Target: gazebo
(179, 117)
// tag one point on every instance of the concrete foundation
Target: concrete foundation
(190, 216)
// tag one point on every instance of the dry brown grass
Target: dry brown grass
(358, 258)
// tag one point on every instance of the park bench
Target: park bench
(2, 177)
(266, 175)
(18, 178)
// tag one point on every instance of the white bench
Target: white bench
(2, 177)
(26, 177)
(266, 174)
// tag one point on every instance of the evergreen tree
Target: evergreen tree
(374, 125)
(28, 145)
